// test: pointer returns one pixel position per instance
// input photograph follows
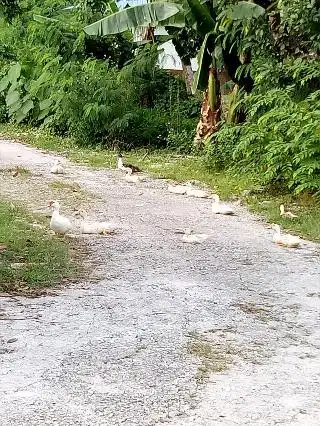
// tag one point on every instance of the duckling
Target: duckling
(191, 238)
(127, 167)
(58, 168)
(194, 192)
(218, 208)
(58, 223)
(177, 189)
(286, 214)
(285, 240)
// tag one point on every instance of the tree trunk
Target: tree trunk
(210, 110)
(188, 77)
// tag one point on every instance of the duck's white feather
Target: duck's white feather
(191, 238)
(177, 189)
(286, 240)
(197, 193)
(219, 208)
(286, 214)
(97, 228)
(58, 168)
(129, 177)
(58, 223)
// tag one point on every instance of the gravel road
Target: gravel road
(221, 333)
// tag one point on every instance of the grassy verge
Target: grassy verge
(166, 164)
(30, 258)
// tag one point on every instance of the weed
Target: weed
(29, 257)
(213, 358)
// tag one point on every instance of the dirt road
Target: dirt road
(221, 333)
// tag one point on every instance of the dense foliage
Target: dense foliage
(97, 90)
(280, 139)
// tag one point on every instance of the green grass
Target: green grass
(214, 358)
(30, 258)
(166, 164)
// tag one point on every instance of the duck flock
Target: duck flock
(61, 225)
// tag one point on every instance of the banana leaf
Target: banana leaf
(141, 15)
(204, 59)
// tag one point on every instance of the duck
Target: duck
(191, 238)
(58, 168)
(218, 208)
(285, 240)
(286, 214)
(127, 167)
(130, 177)
(102, 228)
(177, 189)
(58, 223)
(194, 192)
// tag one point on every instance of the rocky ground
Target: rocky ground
(221, 333)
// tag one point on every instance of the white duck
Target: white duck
(58, 223)
(218, 208)
(103, 228)
(177, 189)
(58, 168)
(126, 166)
(286, 214)
(285, 240)
(130, 177)
(191, 238)
(194, 192)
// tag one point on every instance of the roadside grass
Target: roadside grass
(213, 358)
(169, 165)
(30, 258)
(21, 171)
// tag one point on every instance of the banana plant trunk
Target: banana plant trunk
(210, 110)
(188, 77)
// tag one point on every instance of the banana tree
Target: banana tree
(210, 20)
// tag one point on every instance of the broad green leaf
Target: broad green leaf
(200, 16)
(14, 107)
(246, 10)
(4, 83)
(48, 120)
(204, 59)
(13, 86)
(218, 55)
(112, 6)
(142, 15)
(27, 106)
(43, 114)
(45, 104)
(14, 72)
(177, 21)
(20, 116)
(12, 97)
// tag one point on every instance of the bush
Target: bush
(280, 143)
